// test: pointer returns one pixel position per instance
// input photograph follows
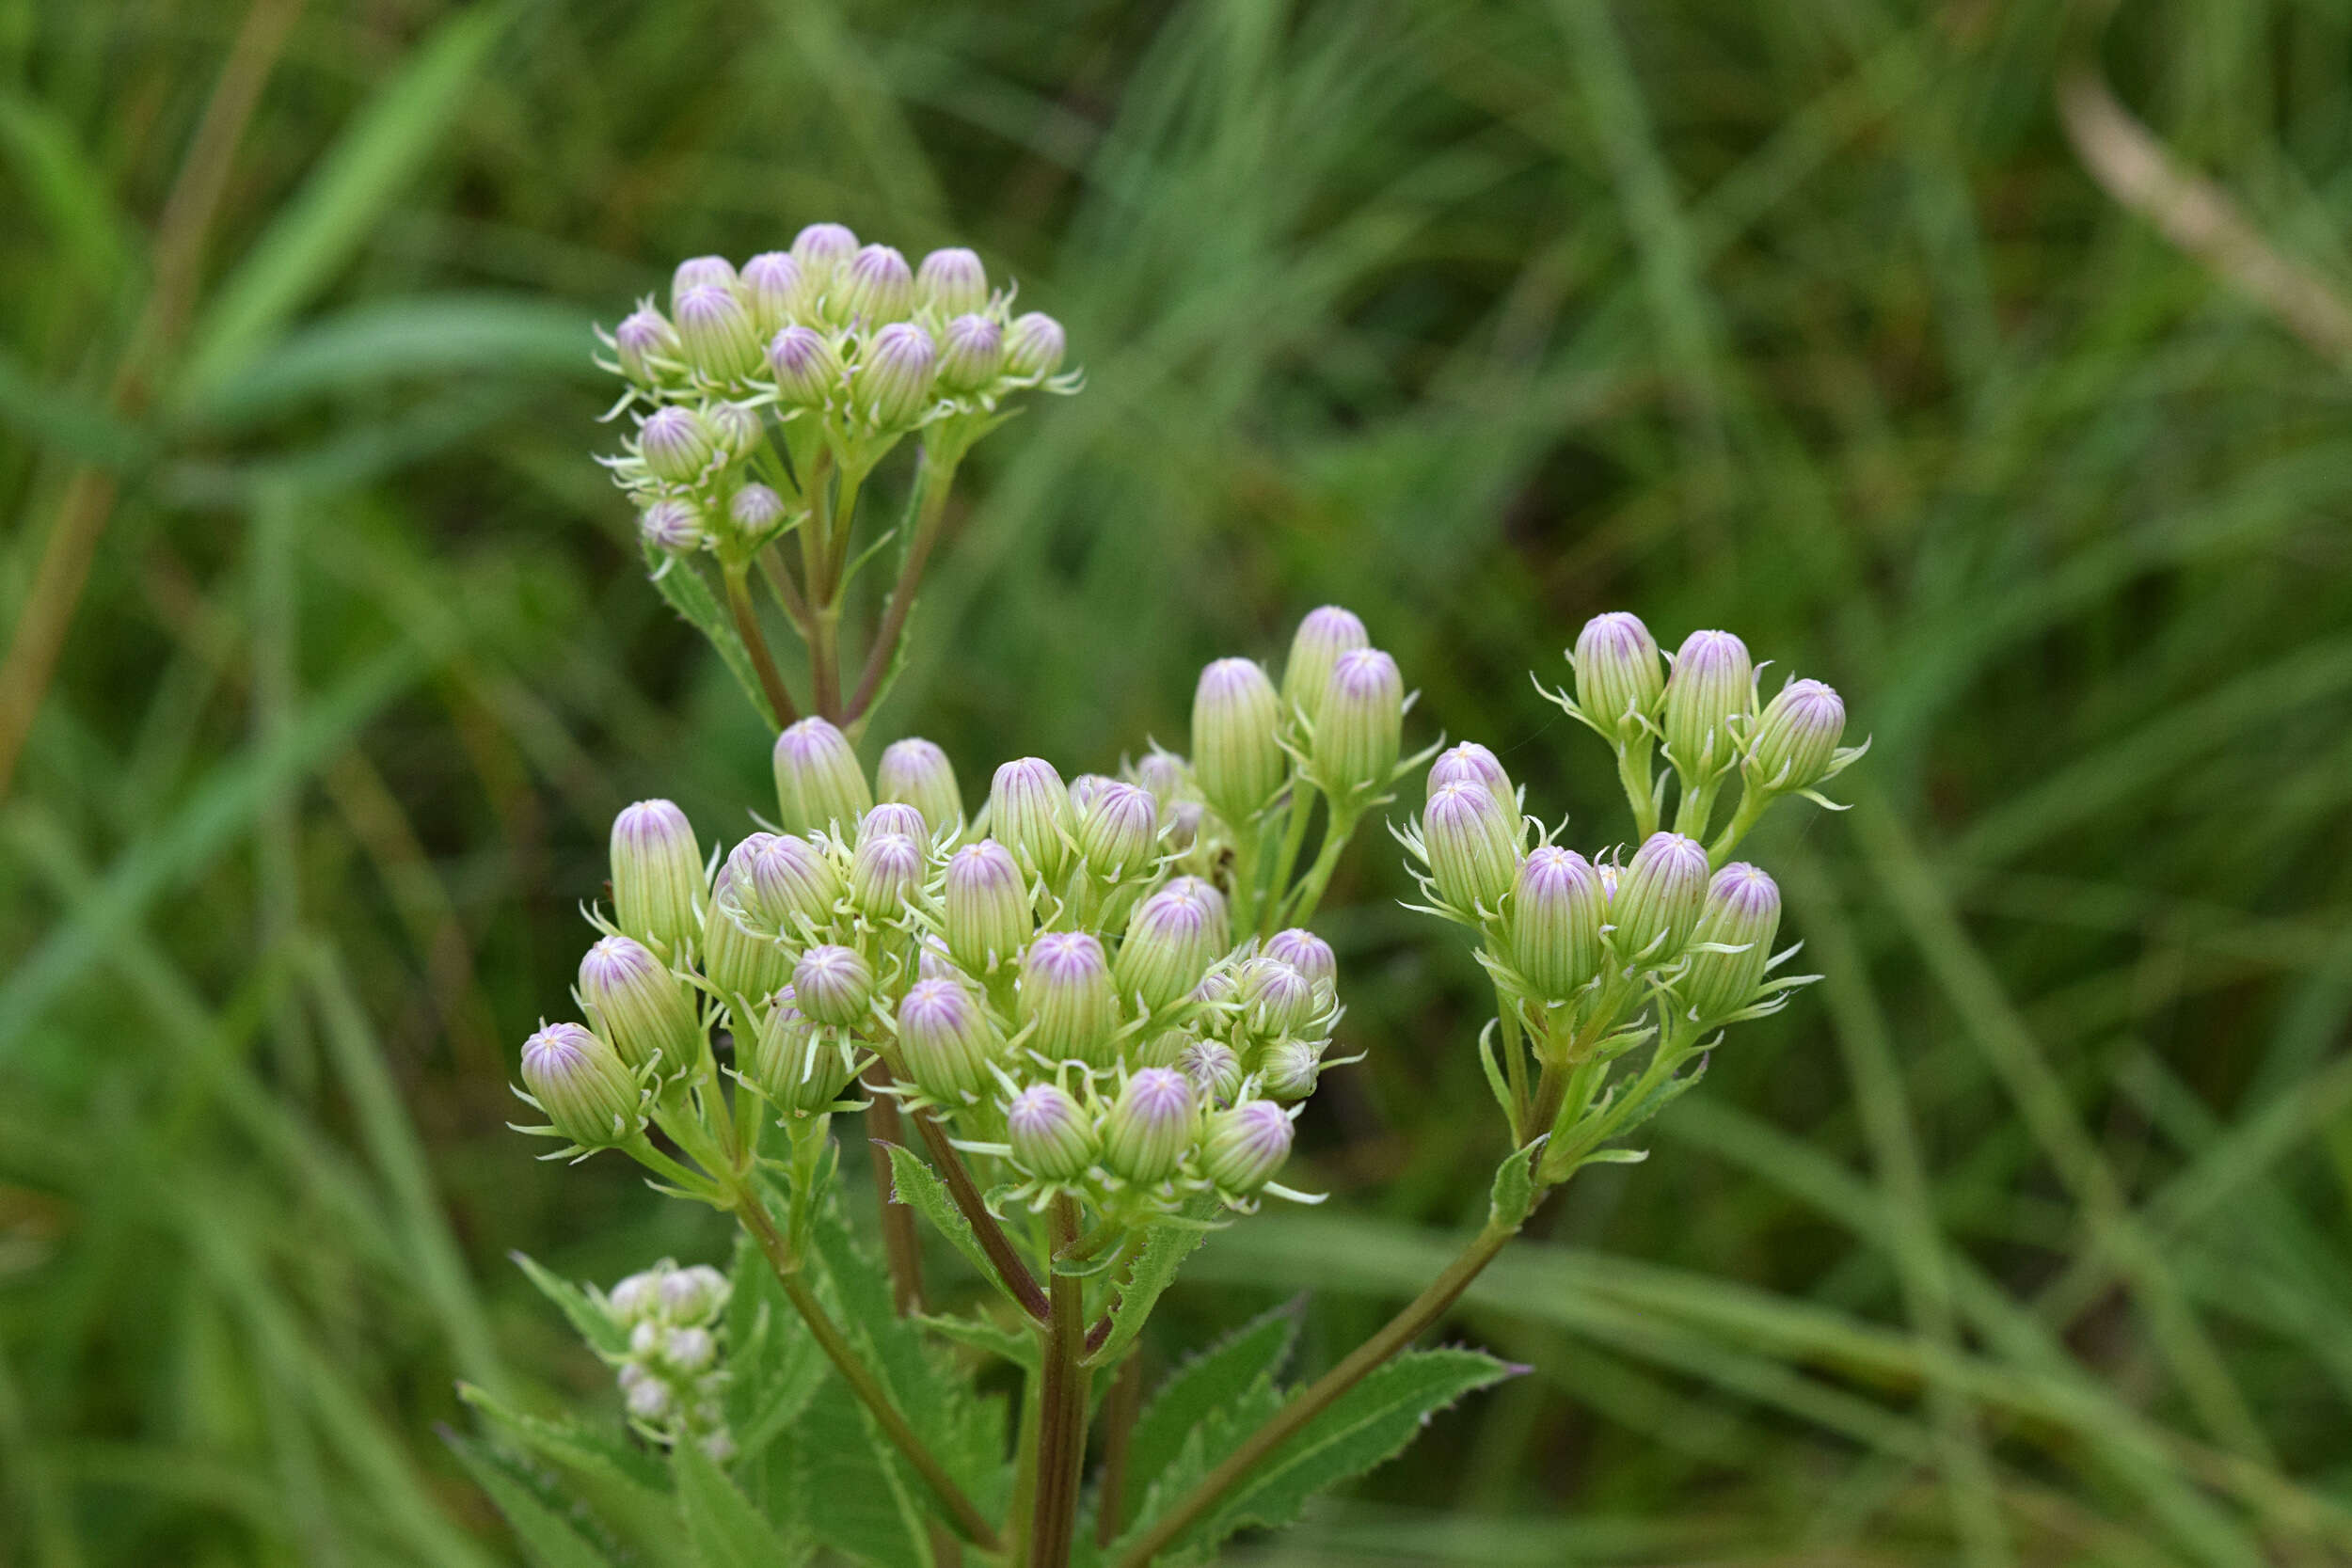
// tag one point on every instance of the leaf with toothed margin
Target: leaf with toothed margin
(988, 1338)
(556, 1529)
(595, 1325)
(774, 1367)
(1514, 1189)
(1164, 1249)
(1237, 1371)
(726, 1531)
(914, 1183)
(681, 582)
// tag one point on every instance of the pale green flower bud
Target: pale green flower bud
(671, 525)
(643, 342)
(657, 875)
(1796, 737)
(1065, 993)
(1171, 940)
(833, 984)
(1244, 1147)
(945, 1040)
(875, 287)
(806, 368)
(580, 1081)
(675, 444)
(819, 786)
(918, 772)
(700, 272)
(649, 1399)
(1289, 1068)
(1474, 846)
(1052, 1136)
(1304, 952)
(1707, 698)
(635, 1299)
(718, 333)
(988, 918)
(885, 874)
(689, 1349)
(1034, 347)
(1118, 831)
(1151, 1126)
(1210, 898)
(971, 354)
(1275, 998)
(822, 249)
(1557, 908)
(1235, 718)
(785, 881)
(1322, 637)
(793, 1063)
(893, 381)
(1471, 763)
(952, 281)
(1657, 899)
(645, 1011)
(1165, 1049)
(1359, 724)
(1213, 1069)
(1619, 678)
(893, 816)
(774, 286)
(755, 511)
(692, 1295)
(1028, 812)
(738, 961)
(1742, 911)
(1167, 776)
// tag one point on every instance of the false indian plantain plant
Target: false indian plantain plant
(1079, 1018)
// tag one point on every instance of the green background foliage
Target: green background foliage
(2021, 1239)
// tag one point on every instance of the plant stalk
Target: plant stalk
(1338, 830)
(755, 642)
(901, 1245)
(1062, 1427)
(1119, 1425)
(1018, 1282)
(932, 484)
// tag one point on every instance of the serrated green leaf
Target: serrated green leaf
(1164, 1249)
(1211, 1383)
(989, 1339)
(776, 1367)
(592, 1322)
(603, 1455)
(914, 1184)
(1514, 1194)
(555, 1530)
(828, 1471)
(681, 582)
(726, 1531)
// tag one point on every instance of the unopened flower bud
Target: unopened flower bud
(987, 906)
(893, 816)
(875, 287)
(893, 381)
(1028, 812)
(1304, 952)
(735, 428)
(946, 1039)
(1315, 647)
(693, 1294)
(1118, 831)
(833, 984)
(1707, 700)
(1619, 680)
(676, 443)
(819, 786)
(1742, 911)
(1217, 990)
(1289, 1068)
(1167, 776)
(932, 961)
(883, 874)
(1276, 999)
(1235, 717)
(772, 285)
(1083, 789)
(1471, 763)
(1473, 847)
(580, 1081)
(1657, 899)
(792, 1061)
(1183, 830)
(1171, 940)
(644, 337)
(1213, 1069)
(636, 1298)
(1246, 1145)
(918, 772)
(820, 249)
(717, 332)
(1210, 898)
(739, 962)
(1034, 347)
(1556, 912)
(638, 1004)
(1359, 724)
(700, 272)
(649, 1401)
(1065, 993)
(657, 875)
(671, 525)
(971, 354)
(952, 281)
(689, 1349)
(1052, 1136)
(787, 882)
(806, 367)
(645, 1340)
(1796, 737)
(1150, 1127)
(754, 510)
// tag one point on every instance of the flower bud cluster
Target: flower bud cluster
(673, 1375)
(844, 338)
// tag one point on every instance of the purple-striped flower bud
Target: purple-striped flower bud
(788, 883)
(971, 354)
(1065, 993)
(1796, 737)
(885, 874)
(580, 1081)
(1742, 911)
(657, 875)
(1083, 789)
(1183, 830)
(689, 1349)
(1657, 899)
(700, 272)
(1276, 999)
(1052, 1136)
(1151, 1126)
(1167, 776)
(932, 961)
(806, 368)
(988, 918)
(1315, 647)
(1235, 718)
(1221, 918)
(952, 281)
(1471, 763)
(794, 1064)
(1473, 847)
(644, 338)
(1289, 1068)
(1619, 680)
(1034, 347)
(1171, 940)
(821, 249)
(755, 511)
(1304, 952)
(773, 286)
(1117, 830)
(945, 1040)
(893, 816)
(1028, 812)
(833, 984)
(918, 772)
(1708, 699)
(819, 786)
(1556, 913)
(735, 429)
(875, 287)
(675, 444)
(717, 332)
(1359, 724)
(692, 1295)
(638, 1004)
(1213, 1069)
(739, 962)
(1217, 990)
(1244, 1147)
(671, 525)
(893, 380)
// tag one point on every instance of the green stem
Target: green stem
(1119, 1426)
(1514, 1068)
(1696, 806)
(1062, 1428)
(1018, 1282)
(773, 567)
(755, 642)
(1025, 1440)
(860, 1378)
(1424, 1312)
(1341, 828)
(901, 1245)
(1752, 804)
(1294, 836)
(933, 484)
(1633, 773)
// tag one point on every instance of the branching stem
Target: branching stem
(1018, 1282)
(755, 642)
(1062, 1413)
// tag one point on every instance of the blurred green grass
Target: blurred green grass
(2021, 1239)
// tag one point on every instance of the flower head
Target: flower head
(819, 786)
(833, 984)
(946, 1039)
(640, 1007)
(917, 773)
(1236, 756)
(1556, 912)
(1244, 1147)
(657, 875)
(1150, 1127)
(952, 281)
(588, 1092)
(1359, 723)
(1796, 737)
(1707, 700)
(1742, 912)
(1322, 637)
(1034, 347)
(1619, 678)
(1065, 995)
(1052, 1136)
(988, 918)
(1657, 899)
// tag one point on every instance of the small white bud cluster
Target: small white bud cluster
(673, 1375)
